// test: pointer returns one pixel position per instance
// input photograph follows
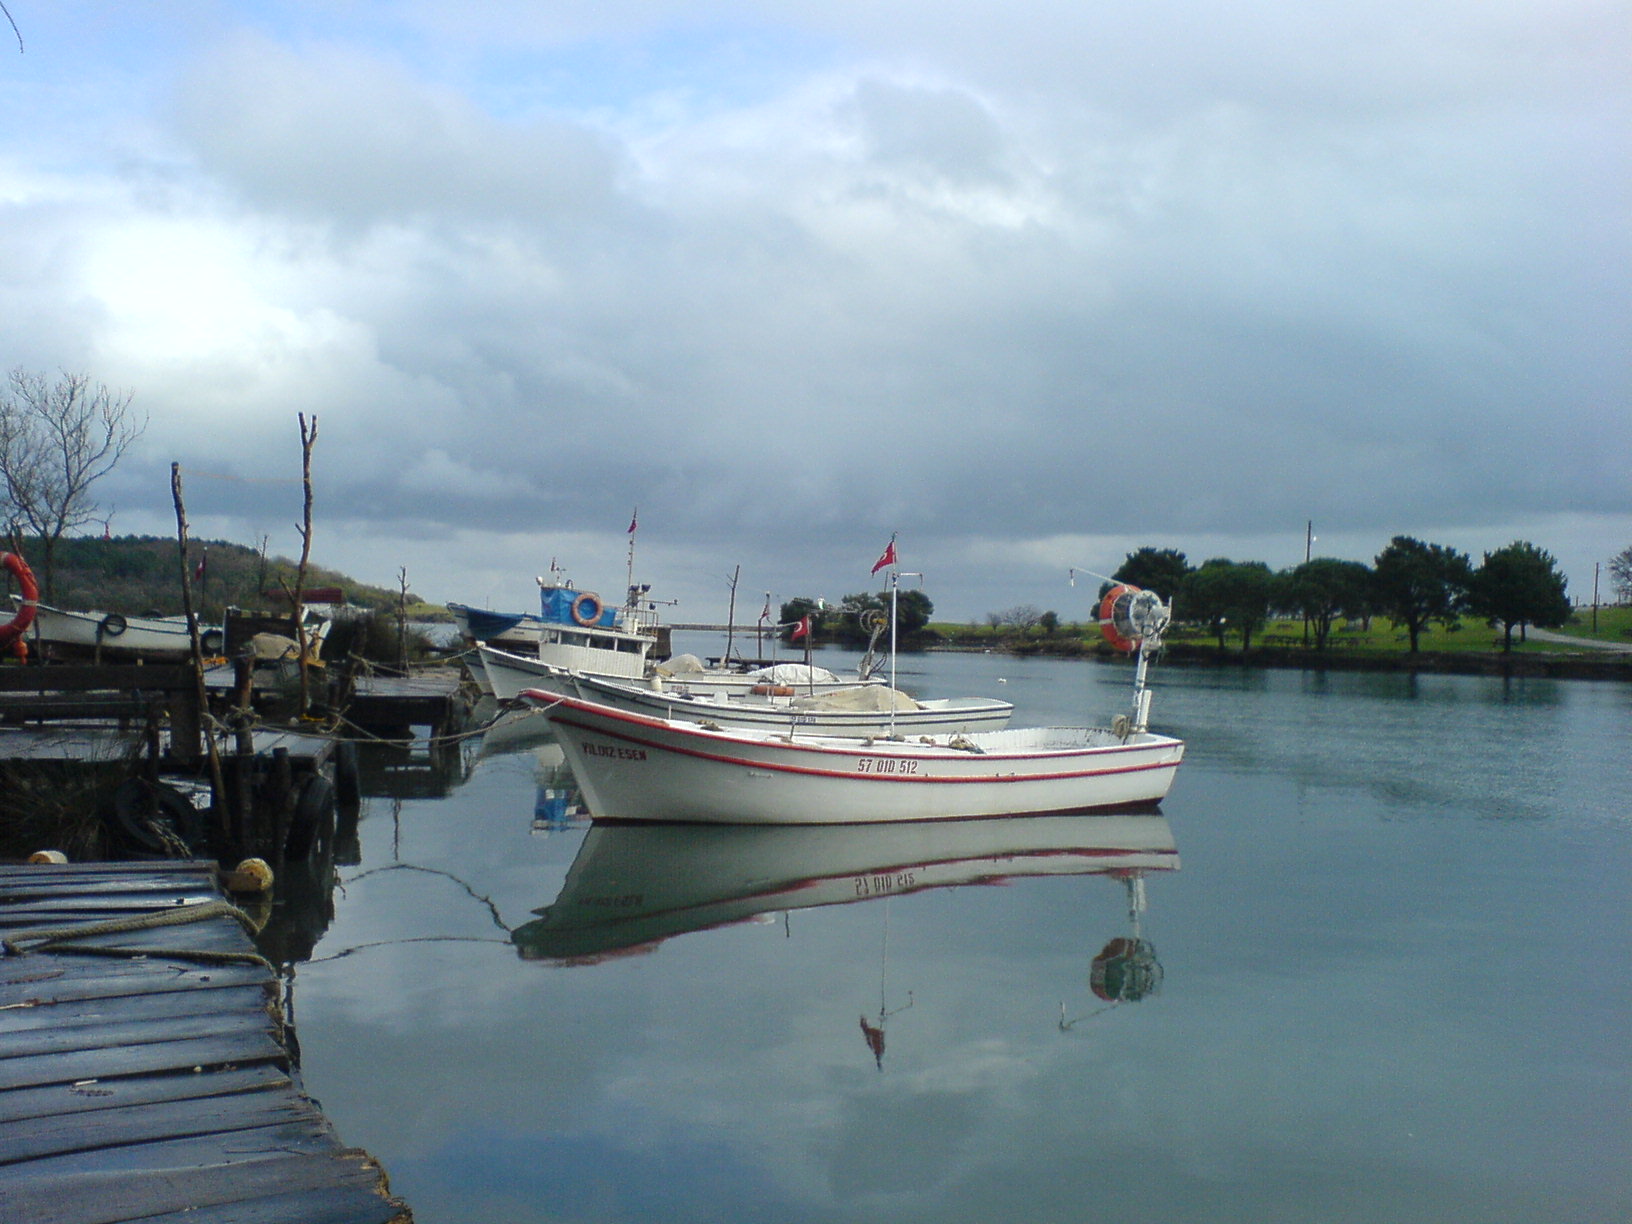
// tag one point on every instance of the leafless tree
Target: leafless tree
(1620, 573)
(1023, 617)
(56, 441)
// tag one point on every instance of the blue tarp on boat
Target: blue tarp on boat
(557, 607)
(485, 625)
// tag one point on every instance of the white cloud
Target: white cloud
(794, 282)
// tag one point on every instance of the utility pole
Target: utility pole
(1308, 548)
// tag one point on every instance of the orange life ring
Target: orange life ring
(11, 633)
(1117, 634)
(591, 600)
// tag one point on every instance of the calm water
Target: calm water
(1390, 983)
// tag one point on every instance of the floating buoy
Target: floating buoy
(47, 856)
(251, 875)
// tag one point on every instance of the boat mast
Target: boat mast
(629, 585)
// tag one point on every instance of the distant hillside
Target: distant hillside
(138, 574)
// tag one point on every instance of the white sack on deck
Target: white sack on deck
(793, 673)
(878, 697)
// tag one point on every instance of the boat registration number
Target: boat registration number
(612, 750)
(875, 885)
(886, 765)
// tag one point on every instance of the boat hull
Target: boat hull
(110, 633)
(784, 713)
(633, 767)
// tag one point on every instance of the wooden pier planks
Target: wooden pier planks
(156, 1088)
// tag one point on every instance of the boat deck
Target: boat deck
(152, 1077)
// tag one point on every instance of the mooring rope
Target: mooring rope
(36, 939)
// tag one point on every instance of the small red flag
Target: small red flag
(198, 570)
(632, 519)
(888, 558)
(802, 629)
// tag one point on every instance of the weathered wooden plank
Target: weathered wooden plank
(32, 1071)
(324, 1205)
(172, 1177)
(81, 1098)
(70, 678)
(36, 1138)
(20, 1017)
(199, 936)
(26, 911)
(87, 977)
(127, 1033)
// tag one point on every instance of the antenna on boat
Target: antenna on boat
(895, 587)
(634, 522)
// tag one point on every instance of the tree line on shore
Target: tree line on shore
(1413, 583)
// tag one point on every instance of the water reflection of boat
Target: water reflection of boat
(633, 886)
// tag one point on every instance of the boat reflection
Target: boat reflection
(632, 886)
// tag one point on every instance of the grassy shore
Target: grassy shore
(1466, 645)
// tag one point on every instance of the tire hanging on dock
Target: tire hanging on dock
(311, 823)
(149, 818)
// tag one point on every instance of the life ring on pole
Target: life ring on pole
(587, 609)
(12, 631)
(112, 625)
(1114, 621)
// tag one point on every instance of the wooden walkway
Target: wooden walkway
(158, 1088)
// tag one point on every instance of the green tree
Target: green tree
(1228, 595)
(1161, 570)
(1417, 583)
(913, 609)
(1517, 586)
(796, 610)
(1324, 589)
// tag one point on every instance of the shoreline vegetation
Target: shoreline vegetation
(1465, 646)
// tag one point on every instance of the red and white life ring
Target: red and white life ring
(586, 609)
(11, 633)
(1118, 631)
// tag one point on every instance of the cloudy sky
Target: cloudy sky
(1031, 284)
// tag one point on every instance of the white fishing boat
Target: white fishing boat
(116, 635)
(508, 675)
(851, 710)
(633, 886)
(637, 767)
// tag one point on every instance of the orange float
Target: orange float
(1114, 621)
(11, 633)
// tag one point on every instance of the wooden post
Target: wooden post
(218, 789)
(308, 439)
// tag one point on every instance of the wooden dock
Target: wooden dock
(153, 1079)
